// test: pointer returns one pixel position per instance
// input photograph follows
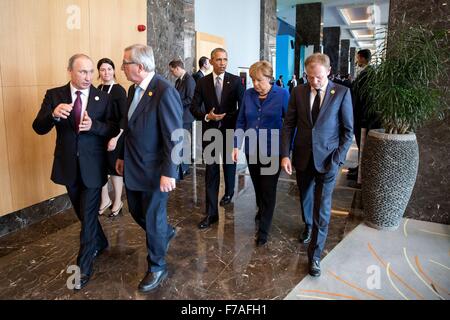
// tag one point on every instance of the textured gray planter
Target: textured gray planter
(389, 169)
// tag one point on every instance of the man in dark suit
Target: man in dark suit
(321, 111)
(221, 93)
(185, 86)
(292, 83)
(361, 114)
(203, 64)
(280, 82)
(155, 112)
(81, 115)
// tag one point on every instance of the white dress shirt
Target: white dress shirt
(214, 84)
(314, 93)
(84, 98)
(144, 83)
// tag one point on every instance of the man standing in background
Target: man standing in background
(185, 86)
(203, 64)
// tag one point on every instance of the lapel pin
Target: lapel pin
(150, 93)
(96, 98)
(332, 91)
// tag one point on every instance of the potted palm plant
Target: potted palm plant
(402, 91)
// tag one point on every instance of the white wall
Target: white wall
(238, 22)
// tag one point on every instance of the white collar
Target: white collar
(182, 76)
(323, 88)
(144, 83)
(84, 92)
(220, 76)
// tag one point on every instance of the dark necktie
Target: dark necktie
(177, 84)
(77, 107)
(316, 107)
(218, 88)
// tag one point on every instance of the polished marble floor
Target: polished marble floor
(218, 263)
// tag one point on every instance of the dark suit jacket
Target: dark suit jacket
(186, 88)
(331, 136)
(148, 144)
(89, 147)
(205, 93)
(363, 118)
(198, 75)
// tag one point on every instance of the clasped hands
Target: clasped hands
(63, 111)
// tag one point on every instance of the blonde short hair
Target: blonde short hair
(261, 66)
(318, 57)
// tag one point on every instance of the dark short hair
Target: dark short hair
(176, 63)
(365, 53)
(105, 60)
(202, 61)
(218, 50)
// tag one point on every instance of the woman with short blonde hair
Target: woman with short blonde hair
(263, 108)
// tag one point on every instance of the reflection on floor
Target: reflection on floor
(411, 263)
(219, 263)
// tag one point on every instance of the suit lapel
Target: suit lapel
(67, 98)
(307, 99)
(91, 98)
(226, 87)
(326, 100)
(145, 98)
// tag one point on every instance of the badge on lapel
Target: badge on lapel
(96, 98)
(150, 93)
(332, 91)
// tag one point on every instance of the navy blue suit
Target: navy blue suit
(319, 151)
(267, 115)
(80, 162)
(147, 157)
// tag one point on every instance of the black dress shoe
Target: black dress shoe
(208, 221)
(225, 200)
(152, 280)
(353, 170)
(260, 241)
(172, 235)
(305, 237)
(84, 279)
(353, 177)
(314, 268)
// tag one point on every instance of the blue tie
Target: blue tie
(135, 102)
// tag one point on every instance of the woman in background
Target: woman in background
(106, 71)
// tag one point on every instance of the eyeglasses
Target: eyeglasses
(127, 62)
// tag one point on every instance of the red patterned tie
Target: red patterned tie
(77, 111)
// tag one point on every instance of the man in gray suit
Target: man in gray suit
(322, 113)
(155, 111)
